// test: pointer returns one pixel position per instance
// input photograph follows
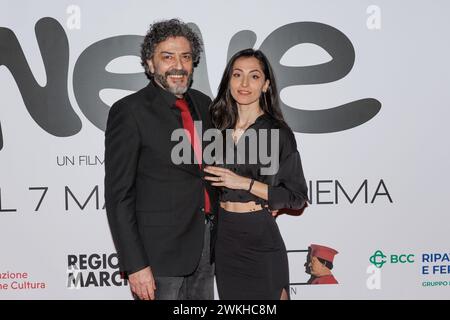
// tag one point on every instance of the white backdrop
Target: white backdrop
(399, 156)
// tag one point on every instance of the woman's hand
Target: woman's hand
(222, 177)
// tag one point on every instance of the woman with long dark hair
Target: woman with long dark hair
(260, 173)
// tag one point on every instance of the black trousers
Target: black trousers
(196, 286)
(251, 259)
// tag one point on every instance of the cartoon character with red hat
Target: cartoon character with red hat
(319, 264)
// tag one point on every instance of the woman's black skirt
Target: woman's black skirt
(250, 255)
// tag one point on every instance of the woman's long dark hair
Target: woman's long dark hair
(224, 111)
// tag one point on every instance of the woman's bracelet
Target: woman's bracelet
(251, 185)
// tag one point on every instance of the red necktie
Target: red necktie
(193, 137)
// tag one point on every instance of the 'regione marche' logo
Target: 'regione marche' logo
(378, 259)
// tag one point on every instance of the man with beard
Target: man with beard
(161, 213)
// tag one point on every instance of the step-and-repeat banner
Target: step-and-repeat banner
(364, 85)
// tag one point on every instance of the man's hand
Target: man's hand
(143, 284)
(292, 212)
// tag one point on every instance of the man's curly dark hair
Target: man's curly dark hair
(160, 31)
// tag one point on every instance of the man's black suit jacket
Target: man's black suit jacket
(154, 206)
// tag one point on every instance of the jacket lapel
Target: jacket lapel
(170, 123)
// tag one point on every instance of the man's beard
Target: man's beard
(176, 90)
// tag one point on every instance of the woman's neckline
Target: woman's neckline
(235, 142)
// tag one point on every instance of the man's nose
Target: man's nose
(178, 63)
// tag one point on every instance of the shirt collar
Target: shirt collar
(168, 96)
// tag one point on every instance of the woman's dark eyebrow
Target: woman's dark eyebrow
(257, 70)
